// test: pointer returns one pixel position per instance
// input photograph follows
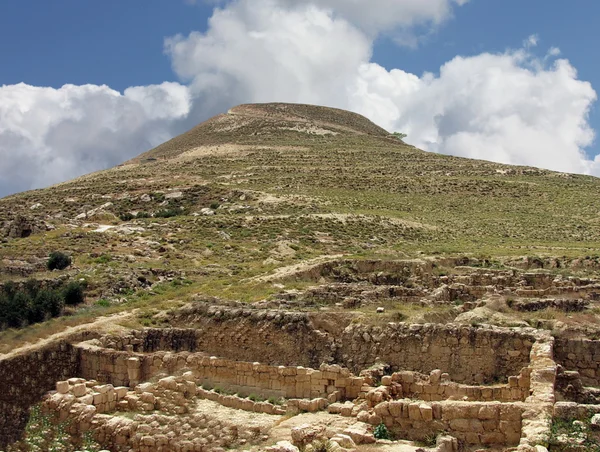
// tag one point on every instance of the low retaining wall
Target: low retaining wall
(126, 368)
(475, 423)
(437, 387)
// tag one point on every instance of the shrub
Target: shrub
(51, 302)
(33, 304)
(168, 213)
(58, 261)
(126, 216)
(37, 311)
(73, 294)
(18, 310)
(381, 432)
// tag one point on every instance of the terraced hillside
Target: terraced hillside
(315, 224)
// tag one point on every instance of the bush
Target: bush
(33, 304)
(18, 310)
(73, 294)
(381, 432)
(126, 216)
(50, 301)
(58, 261)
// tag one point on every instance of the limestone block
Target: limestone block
(414, 412)
(344, 440)
(375, 419)
(435, 376)
(121, 391)
(382, 409)
(461, 425)
(87, 399)
(62, 387)
(79, 389)
(426, 412)
(306, 433)
(360, 433)
(363, 416)
(492, 438)
(488, 412)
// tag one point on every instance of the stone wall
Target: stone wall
(475, 423)
(271, 337)
(25, 379)
(437, 387)
(581, 355)
(469, 355)
(129, 368)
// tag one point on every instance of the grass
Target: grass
(45, 433)
(567, 432)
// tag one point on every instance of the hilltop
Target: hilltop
(323, 229)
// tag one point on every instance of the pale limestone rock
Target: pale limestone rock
(62, 387)
(283, 446)
(79, 390)
(306, 433)
(360, 433)
(344, 441)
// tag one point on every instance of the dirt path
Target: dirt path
(284, 272)
(100, 324)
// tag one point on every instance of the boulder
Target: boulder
(283, 446)
(306, 433)
(360, 433)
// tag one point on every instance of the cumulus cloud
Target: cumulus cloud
(511, 107)
(48, 135)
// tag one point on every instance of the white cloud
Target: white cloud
(255, 51)
(508, 108)
(48, 135)
(385, 15)
(511, 107)
(531, 41)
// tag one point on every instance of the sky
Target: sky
(87, 85)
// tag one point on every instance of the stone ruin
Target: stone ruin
(472, 387)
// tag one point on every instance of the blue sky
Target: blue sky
(120, 43)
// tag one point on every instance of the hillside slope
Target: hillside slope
(270, 187)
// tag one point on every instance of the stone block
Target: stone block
(414, 412)
(79, 389)
(62, 387)
(426, 412)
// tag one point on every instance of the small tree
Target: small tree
(399, 135)
(58, 261)
(73, 294)
(18, 310)
(50, 301)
